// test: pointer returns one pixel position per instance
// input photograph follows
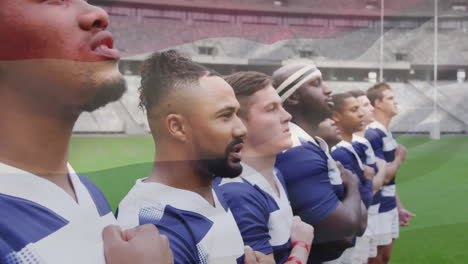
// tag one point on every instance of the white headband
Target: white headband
(315, 73)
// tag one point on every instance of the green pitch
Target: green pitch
(433, 183)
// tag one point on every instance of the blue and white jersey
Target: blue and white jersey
(333, 171)
(264, 219)
(384, 146)
(365, 152)
(307, 172)
(345, 153)
(42, 224)
(197, 231)
(299, 137)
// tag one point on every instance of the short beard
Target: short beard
(220, 167)
(108, 92)
(317, 116)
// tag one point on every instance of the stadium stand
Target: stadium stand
(416, 113)
(336, 34)
(103, 120)
(86, 124)
(335, 38)
(130, 101)
(451, 97)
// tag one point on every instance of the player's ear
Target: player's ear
(176, 126)
(336, 116)
(377, 103)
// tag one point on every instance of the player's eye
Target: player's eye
(56, 2)
(271, 108)
(227, 115)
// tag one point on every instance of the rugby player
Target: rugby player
(192, 113)
(258, 199)
(331, 134)
(367, 246)
(349, 118)
(328, 131)
(385, 147)
(373, 165)
(306, 166)
(56, 61)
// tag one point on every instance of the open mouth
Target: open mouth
(330, 103)
(236, 152)
(103, 45)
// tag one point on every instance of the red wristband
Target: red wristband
(295, 259)
(301, 244)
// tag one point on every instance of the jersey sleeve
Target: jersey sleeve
(366, 191)
(349, 162)
(184, 230)
(5, 250)
(339, 154)
(375, 139)
(306, 176)
(250, 209)
(370, 155)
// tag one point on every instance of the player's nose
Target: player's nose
(360, 113)
(239, 129)
(327, 91)
(286, 116)
(93, 17)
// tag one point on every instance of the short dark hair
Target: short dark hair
(245, 84)
(357, 93)
(376, 92)
(164, 71)
(339, 100)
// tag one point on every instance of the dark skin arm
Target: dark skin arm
(346, 220)
(363, 222)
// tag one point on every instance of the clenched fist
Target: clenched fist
(140, 245)
(346, 176)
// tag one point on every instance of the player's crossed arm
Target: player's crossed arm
(139, 245)
(346, 219)
(380, 177)
(302, 235)
(256, 257)
(392, 167)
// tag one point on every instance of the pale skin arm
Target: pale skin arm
(379, 178)
(256, 257)
(403, 214)
(392, 167)
(140, 245)
(301, 232)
